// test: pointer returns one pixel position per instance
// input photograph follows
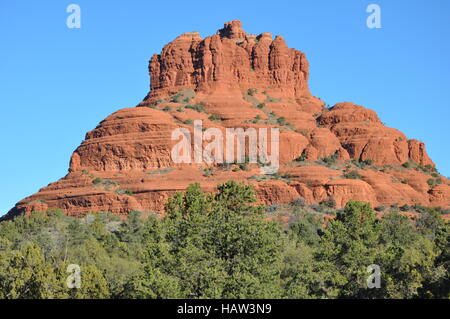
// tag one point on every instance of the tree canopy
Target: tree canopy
(223, 245)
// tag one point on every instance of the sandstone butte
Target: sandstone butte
(235, 79)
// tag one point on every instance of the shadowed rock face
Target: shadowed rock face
(234, 79)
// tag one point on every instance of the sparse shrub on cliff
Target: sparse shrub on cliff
(305, 133)
(419, 208)
(434, 181)
(167, 109)
(252, 92)
(215, 117)
(380, 208)
(127, 192)
(362, 164)
(299, 202)
(301, 158)
(427, 169)
(208, 171)
(244, 166)
(352, 175)
(188, 122)
(199, 107)
(329, 202)
(160, 171)
(405, 208)
(105, 182)
(330, 160)
(282, 121)
(261, 105)
(272, 99)
(97, 181)
(260, 178)
(184, 96)
(256, 119)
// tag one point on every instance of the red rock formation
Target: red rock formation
(234, 79)
(232, 61)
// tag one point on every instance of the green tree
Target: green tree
(25, 274)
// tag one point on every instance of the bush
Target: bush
(353, 175)
(405, 208)
(281, 121)
(97, 181)
(330, 160)
(273, 99)
(244, 166)
(199, 107)
(301, 158)
(272, 208)
(329, 202)
(107, 183)
(127, 192)
(299, 202)
(431, 182)
(215, 117)
(207, 172)
(419, 208)
(261, 105)
(380, 208)
(184, 96)
(428, 169)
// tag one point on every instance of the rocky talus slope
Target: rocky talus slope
(235, 79)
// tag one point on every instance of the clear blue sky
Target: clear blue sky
(57, 83)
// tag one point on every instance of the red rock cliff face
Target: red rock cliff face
(234, 79)
(229, 62)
